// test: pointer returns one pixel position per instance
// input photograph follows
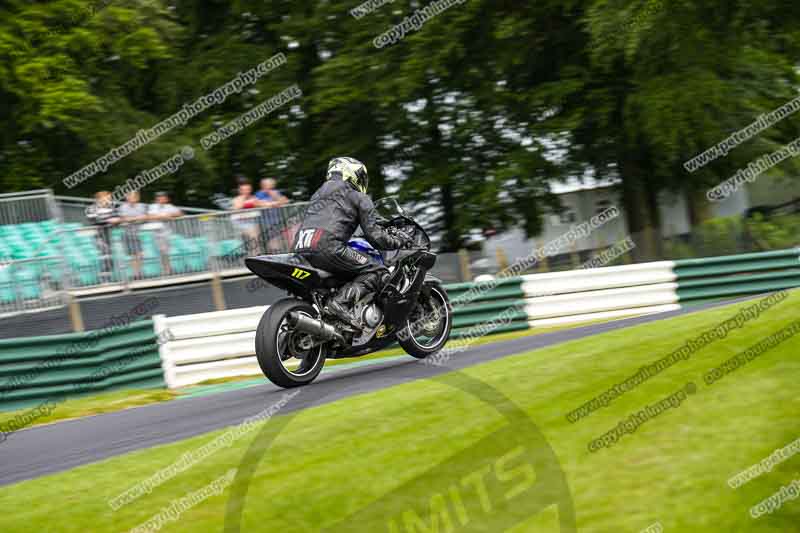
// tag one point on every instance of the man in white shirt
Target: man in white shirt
(162, 209)
(159, 212)
(132, 212)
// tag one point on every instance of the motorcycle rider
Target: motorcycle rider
(336, 210)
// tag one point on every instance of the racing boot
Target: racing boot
(341, 305)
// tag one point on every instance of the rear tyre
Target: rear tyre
(428, 325)
(284, 354)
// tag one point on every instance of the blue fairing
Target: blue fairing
(366, 248)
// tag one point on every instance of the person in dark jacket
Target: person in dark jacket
(336, 210)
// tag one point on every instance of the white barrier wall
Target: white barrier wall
(600, 293)
(209, 345)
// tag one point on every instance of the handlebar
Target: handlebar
(393, 227)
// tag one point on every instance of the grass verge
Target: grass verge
(95, 405)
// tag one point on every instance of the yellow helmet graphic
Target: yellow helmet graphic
(350, 170)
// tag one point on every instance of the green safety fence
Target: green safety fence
(37, 369)
(489, 307)
(737, 275)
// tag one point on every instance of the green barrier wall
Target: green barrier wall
(500, 305)
(57, 367)
(737, 275)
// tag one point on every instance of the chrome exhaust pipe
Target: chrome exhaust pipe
(315, 327)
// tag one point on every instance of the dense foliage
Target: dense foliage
(475, 113)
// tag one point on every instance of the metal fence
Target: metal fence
(160, 250)
(27, 207)
(72, 209)
(249, 232)
(46, 250)
(32, 285)
(76, 257)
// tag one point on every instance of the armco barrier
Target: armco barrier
(600, 293)
(56, 367)
(221, 344)
(737, 275)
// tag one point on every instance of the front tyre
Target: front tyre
(429, 323)
(287, 357)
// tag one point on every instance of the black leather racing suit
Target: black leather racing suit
(335, 212)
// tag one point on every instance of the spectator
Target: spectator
(160, 212)
(244, 198)
(269, 196)
(132, 212)
(162, 209)
(271, 221)
(246, 223)
(103, 214)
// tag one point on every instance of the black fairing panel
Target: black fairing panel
(427, 260)
(397, 306)
(289, 272)
(372, 346)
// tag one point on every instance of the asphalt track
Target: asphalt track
(43, 450)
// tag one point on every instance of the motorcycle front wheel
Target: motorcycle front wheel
(287, 357)
(428, 325)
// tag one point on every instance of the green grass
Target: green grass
(332, 461)
(95, 405)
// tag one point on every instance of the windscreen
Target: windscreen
(389, 207)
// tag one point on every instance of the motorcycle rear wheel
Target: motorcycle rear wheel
(277, 343)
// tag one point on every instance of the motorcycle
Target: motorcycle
(293, 339)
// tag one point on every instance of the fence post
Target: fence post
(502, 259)
(650, 244)
(213, 230)
(544, 263)
(217, 292)
(575, 257)
(466, 273)
(75, 316)
(53, 208)
(628, 257)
